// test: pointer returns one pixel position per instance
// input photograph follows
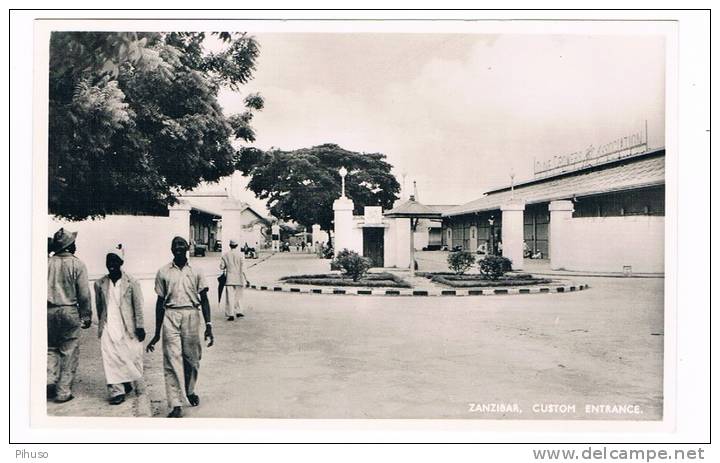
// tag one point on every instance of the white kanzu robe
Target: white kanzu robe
(122, 353)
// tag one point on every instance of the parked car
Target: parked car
(199, 250)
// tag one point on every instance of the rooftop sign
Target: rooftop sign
(630, 145)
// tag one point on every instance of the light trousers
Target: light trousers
(182, 350)
(63, 329)
(232, 300)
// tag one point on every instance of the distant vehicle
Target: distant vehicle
(218, 246)
(250, 253)
(199, 250)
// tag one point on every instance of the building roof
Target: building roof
(626, 174)
(414, 209)
(441, 207)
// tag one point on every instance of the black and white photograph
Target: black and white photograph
(471, 221)
(356, 225)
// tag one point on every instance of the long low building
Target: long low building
(607, 217)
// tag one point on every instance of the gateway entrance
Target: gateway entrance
(373, 245)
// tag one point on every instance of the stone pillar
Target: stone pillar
(560, 214)
(513, 232)
(343, 207)
(232, 226)
(180, 221)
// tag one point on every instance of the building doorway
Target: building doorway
(473, 241)
(373, 245)
(536, 225)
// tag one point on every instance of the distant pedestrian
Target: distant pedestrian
(302, 245)
(232, 264)
(119, 303)
(182, 292)
(68, 310)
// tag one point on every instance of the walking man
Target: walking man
(182, 293)
(68, 310)
(119, 303)
(231, 264)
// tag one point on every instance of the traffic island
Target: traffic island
(454, 280)
(370, 280)
(354, 290)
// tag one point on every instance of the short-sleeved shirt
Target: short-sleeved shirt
(68, 283)
(180, 287)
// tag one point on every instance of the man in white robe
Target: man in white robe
(119, 303)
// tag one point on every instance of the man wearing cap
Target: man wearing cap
(119, 303)
(182, 292)
(231, 264)
(68, 310)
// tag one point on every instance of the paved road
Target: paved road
(325, 356)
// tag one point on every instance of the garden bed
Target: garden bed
(477, 280)
(370, 280)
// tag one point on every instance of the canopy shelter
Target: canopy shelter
(414, 211)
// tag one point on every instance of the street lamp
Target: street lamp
(491, 241)
(343, 172)
(512, 184)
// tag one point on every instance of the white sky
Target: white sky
(457, 113)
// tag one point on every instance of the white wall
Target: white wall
(422, 237)
(397, 243)
(146, 240)
(606, 244)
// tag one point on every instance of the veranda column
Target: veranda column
(513, 233)
(560, 215)
(232, 223)
(180, 221)
(343, 207)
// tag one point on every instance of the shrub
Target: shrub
(460, 261)
(352, 264)
(481, 282)
(493, 267)
(373, 280)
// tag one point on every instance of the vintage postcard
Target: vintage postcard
(467, 221)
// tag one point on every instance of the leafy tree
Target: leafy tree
(134, 118)
(301, 185)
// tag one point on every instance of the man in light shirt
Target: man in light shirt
(232, 263)
(68, 310)
(182, 294)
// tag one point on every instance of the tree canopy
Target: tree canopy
(134, 118)
(301, 185)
